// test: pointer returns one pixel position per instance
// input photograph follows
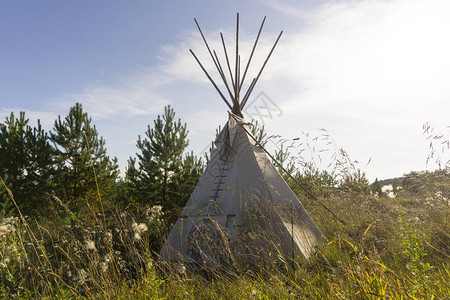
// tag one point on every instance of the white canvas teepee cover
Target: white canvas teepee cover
(241, 205)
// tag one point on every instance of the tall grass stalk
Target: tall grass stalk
(390, 248)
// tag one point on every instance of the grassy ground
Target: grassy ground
(395, 248)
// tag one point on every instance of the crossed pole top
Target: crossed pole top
(234, 102)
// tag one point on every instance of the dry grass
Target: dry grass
(393, 248)
(390, 248)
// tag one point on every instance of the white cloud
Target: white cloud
(369, 51)
(134, 95)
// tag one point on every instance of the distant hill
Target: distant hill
(390, 180)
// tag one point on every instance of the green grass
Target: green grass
(390, 248)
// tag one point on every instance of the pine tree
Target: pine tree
(163, 176)
(356, 181)
(185, 181)
(6, 205)
(375, 187)
(78, 149)
(26, 163)
(130, 186)
(259, 132)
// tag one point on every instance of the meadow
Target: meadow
(395, 248)
(85, 234)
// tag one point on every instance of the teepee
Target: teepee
(241, 207)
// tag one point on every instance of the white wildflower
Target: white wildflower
(109, 236)
(391, 195)
(4, 229)
(139, 228)
(142, 228)
(103, 266)
(90, 245)
(82, 275)
(9, 221)
(156, 209)
(153, 213)
(387, 188)
(137, 237)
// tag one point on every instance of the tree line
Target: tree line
(70, 164)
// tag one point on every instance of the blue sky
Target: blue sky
(370, 72)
